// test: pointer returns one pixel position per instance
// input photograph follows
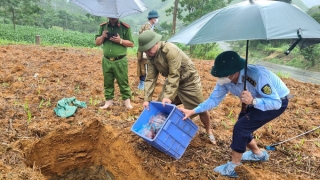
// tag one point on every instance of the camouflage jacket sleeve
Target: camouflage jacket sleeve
(174, 57)
(144, 27)
(150, 82)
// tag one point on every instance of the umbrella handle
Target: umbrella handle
(243, 107)
(295, 43)
(292, 46)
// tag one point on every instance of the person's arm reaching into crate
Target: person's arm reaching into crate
(182, 84)
(266, 98)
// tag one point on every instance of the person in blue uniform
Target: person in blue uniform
(266, 98)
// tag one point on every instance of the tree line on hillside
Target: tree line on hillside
(41, 13)
(312, 53)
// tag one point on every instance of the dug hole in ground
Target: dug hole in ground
(98, 144)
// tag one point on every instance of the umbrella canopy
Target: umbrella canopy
(111, 8)
(248, 21)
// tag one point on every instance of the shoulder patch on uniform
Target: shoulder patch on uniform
(266, 89)
(250, 80)
(125, 24)
(103, 23)
(165, 46)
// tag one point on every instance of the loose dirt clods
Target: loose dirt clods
(37, 144)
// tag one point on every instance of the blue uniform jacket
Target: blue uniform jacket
(263, 84)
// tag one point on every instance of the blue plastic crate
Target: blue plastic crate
(174, 136)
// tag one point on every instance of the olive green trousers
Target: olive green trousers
(117, 69)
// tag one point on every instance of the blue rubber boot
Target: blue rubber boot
(141, 85)
(227, 170)
(250, 156)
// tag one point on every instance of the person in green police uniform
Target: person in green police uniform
(182, 86)
(115, 36)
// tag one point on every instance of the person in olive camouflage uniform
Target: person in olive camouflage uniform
(142, 59)
(114, 61)
(183, 83)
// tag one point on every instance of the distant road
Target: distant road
(295, 73)
(224, 46)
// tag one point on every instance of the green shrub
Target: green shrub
(205, 51)
(282, 74)
(48, 36)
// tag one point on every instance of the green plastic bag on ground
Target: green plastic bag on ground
(66, 107)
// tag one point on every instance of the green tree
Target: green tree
(174, 10)
(197, 8)
(166, 28)
(313, 10)
(316, 16)
(10, 9)
(175, 13)
(65, 19)
(312, 53)
(191, 10)
(21, 11)
(45, 9)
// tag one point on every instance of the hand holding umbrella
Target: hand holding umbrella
(246, 97)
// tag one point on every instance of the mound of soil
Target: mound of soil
(98, 144)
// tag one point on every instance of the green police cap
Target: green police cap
(147, 40)
(227, 63)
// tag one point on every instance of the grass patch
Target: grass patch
(8, 42)
(299, 63)
(282, 74)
